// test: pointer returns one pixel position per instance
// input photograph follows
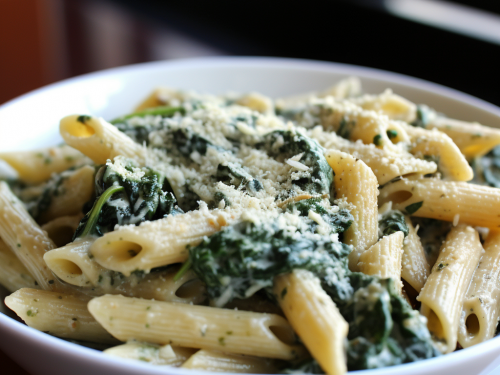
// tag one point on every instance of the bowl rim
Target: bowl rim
(70, 349)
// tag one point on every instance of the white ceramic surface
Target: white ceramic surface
(31, 121)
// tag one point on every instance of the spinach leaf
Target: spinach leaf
(126, 194)
(286, 144)
(414, 207)
(392, 222)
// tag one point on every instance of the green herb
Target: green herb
(392, 134)
(31, 313)
(83, 119)
(164, 111)
(18, 245)
(283, 293)
(377, 140)
(222, 341)
(441, 266)
(147, 325)
(414, 207)
(422, 116)
(345, 128)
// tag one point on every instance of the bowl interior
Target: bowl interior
(31, 121)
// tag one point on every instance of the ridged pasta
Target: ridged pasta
(443, 293)
(355, 182)
(233, 331)
(314, 317)
(445, 200)
(61, 315)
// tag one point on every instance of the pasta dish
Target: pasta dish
(319, 233)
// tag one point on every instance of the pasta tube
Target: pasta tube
(481, 307)
(61, 315)
(26, 239)
(35, 167)
(385, 164)
(314, 317)
(191, 326)
(13, 274)
(415, 267)
(443, 294)
(158, 243)
(99, 140)
(473, 139)
(214, 361)
(151, 353)
(445, 200)
(355, 182)
(433, 143)
(384, 259)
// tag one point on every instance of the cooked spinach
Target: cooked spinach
(338, 220)
(286, 144)
(414, 207)
(126, 194)
(392, 222)
(232, 174)
(241, 259)
(383, 328)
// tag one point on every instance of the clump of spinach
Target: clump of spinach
(391, 222)
(126, 194)
(244, 258)
(286, 144)
(383, 328)
(338, 220)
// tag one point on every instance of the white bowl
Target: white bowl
(31, 121)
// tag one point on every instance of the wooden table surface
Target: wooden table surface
(9, 367)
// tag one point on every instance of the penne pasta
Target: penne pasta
(456, 202)
(314, 317)
(13, 274)
(215, 361)
(415, 268)
(61, 315)
(26, 239)
(383, 259)
(163, 355)
(35, 167)
(98, 139)
(239, 332)
(444, 291)
(355, 182)
(158, 243)
(481, 307)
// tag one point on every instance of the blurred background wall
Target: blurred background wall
(455, 43)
